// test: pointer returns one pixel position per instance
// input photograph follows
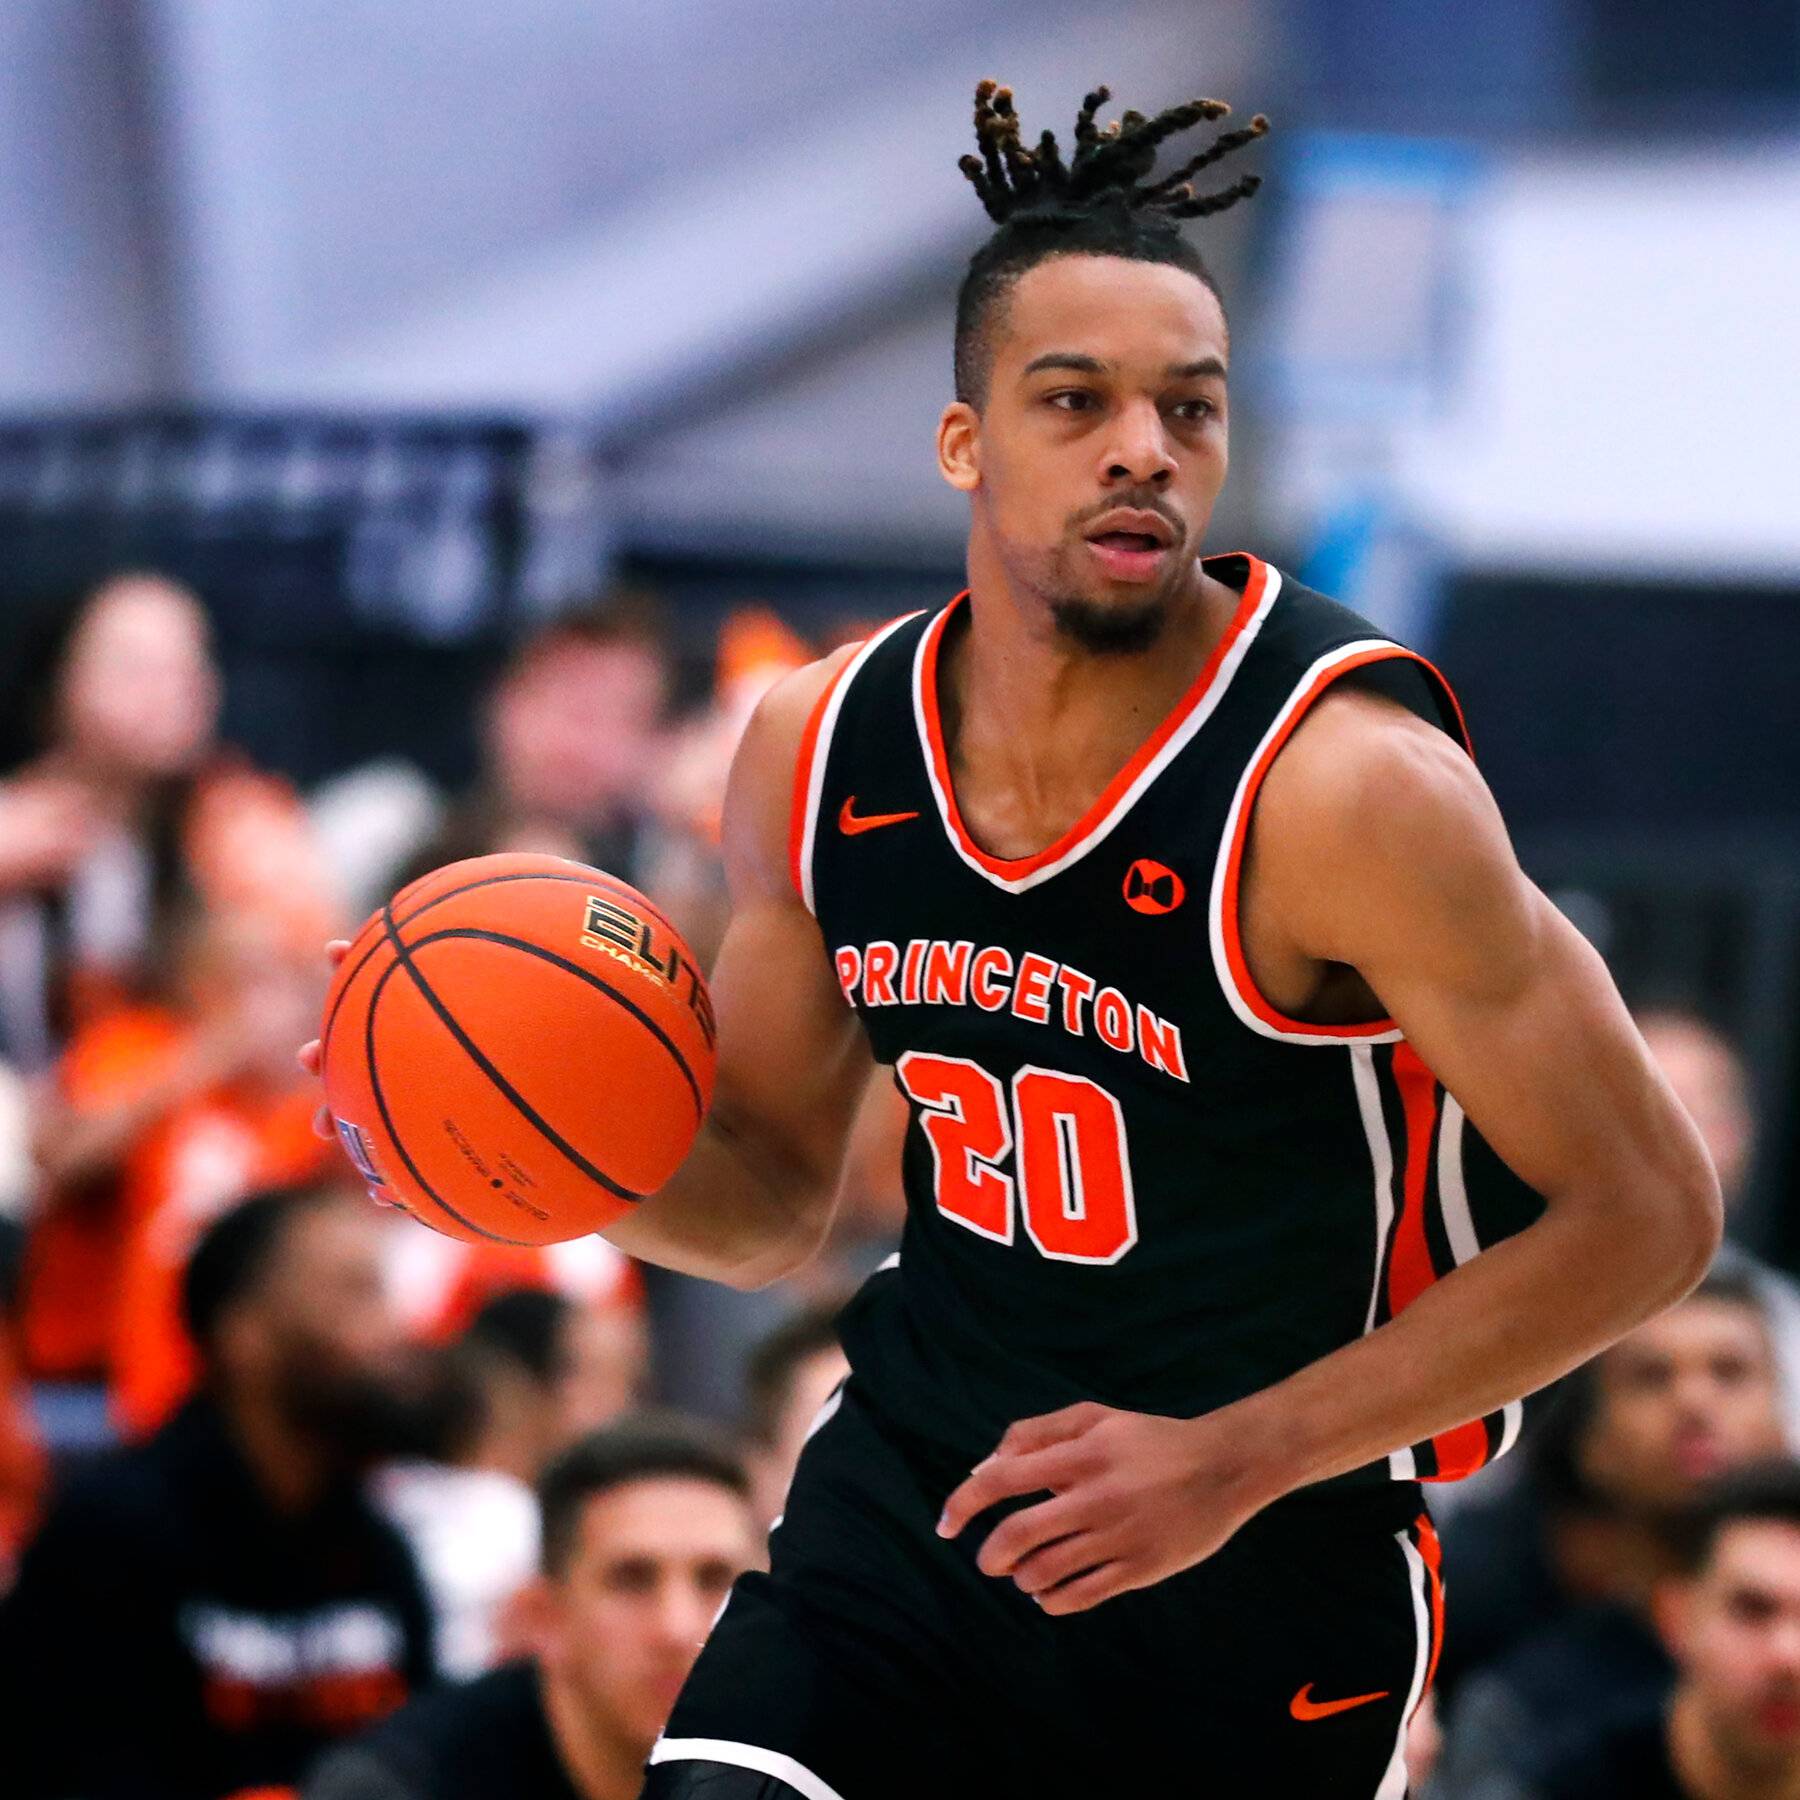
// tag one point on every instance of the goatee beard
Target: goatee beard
(1110, 630)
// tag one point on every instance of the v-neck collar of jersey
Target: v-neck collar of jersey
(1164, 744)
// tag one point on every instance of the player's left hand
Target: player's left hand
(1135, 1498)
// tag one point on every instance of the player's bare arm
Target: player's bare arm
(754, 1198)
(1379, 860)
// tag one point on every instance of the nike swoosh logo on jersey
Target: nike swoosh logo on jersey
(849, 824)
(1305, 1708)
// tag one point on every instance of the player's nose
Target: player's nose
(1139, 452)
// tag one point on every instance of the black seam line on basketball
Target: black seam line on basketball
(387, 1120)
(419, 912)
(580, 974)
(549, 1132)
(585, 879)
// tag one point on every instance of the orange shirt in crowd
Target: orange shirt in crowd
(200, 1160)
(69, 1300)
(21, 1464)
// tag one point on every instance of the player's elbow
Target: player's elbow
(1680, 1225)
(776, 1262)
(1701, 1213)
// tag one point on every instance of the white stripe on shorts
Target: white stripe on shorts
(745, 1756)
(1393, 1783)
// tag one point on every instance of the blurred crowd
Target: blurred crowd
(272, 1460)
(296, 1495)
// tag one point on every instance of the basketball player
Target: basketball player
(1234, 1038)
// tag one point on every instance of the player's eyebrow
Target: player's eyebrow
(1191, 371)
(1066, 359)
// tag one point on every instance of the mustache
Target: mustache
(1134, 500)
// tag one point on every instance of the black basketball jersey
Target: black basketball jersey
(1129, 1177)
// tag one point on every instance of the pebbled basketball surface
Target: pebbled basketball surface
(518, 1048)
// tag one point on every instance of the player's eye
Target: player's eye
(1073, 399)
(1193, 409)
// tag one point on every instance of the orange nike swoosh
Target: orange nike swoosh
(849, 824)
(1304, 1707)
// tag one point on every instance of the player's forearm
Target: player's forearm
(738, 1210)
(1506, 1323)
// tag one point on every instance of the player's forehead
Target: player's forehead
(1132, 317)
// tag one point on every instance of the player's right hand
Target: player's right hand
(311, 1051)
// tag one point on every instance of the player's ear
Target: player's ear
(958, 446)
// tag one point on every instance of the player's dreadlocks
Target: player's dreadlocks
(1097, 201)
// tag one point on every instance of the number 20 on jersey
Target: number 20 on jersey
(1064, 1136)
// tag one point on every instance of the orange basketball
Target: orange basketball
(517, 1049)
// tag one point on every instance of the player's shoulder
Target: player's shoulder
(1374, 767)
(759, 797)
(1360, 758)
(777, 727)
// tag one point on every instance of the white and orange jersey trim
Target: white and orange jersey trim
(1018, 874)
(815, 753)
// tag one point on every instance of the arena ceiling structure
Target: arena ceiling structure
(721, 236)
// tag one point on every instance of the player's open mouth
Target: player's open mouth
(1131, 545)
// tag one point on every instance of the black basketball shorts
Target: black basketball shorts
(875, 1660)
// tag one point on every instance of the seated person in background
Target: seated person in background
(115, 702)
(206, 1612)
(247, 1128)
(572, 736)
(532, 1372)
(1638, 1432)
(551, 1371)
(170, 1102)
(1731, 1620)
(793, 1372)
(21, 1455)
(645, 1527)
(472, 1528)
(1708, 1075)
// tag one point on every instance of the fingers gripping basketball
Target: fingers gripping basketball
(518, 1048)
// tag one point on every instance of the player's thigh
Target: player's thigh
(1285, 1664)
(849, 1668)
(836, 1711)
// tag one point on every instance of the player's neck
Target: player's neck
(1037, 726)
(1708, 1771)
(599, 1764)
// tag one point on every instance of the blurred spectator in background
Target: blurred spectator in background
(204, 1613)
(162, 1113)
(160, 840)
(793, 1372)
(441, 1283)
(118, 700)
(1704, 1068)
(21, 1456)
(553, 1370)
(531, 1372)
(1730, 1617)
(684, 871)
(1561, 1622)
(645, 1527)
(571, 742)
(473, 1528)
